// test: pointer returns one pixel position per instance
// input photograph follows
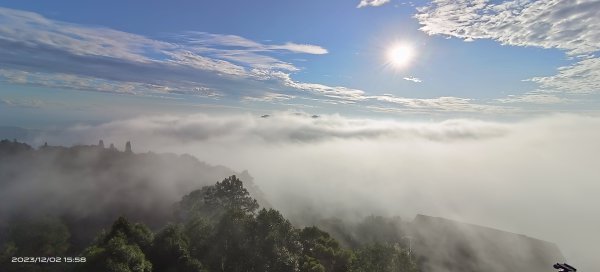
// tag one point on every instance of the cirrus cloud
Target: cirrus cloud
(557, 24)
(413, 79)
(372, 3)
(44, 52)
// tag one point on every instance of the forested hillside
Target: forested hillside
(123, 211)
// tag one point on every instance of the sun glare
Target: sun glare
(400, 55)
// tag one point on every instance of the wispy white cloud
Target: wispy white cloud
(245, 51)
(198, 63)
(44, 52)
(269, 97)
(564, 25)
(71, 81)
(344, 95)
(289, 126)
(22, 103)
(535, 97)
(37, 50)
(547, 24)
(372, 3)
(582, 77)
(413, 79)
(210, 40)
(31, 30)
(449, 104)
(300, 48)
(339, 93)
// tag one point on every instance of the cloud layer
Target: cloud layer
(285, 128)
(43, 52)
(517, 176)
(547, 24)
(372, 3)
(564, 25)
(413, 79)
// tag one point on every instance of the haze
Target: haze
(536, 177)
(486, 113)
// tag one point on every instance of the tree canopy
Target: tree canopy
(218, 228)
(213, 201)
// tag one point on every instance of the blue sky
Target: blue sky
(489, 59)
(479, 105)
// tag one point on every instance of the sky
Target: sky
(491, 59)
(481, 111)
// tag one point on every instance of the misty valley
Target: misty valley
(96, 208)
(276, 136)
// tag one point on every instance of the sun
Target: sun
(400, 55)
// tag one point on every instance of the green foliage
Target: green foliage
(222, 231)
(34, 238)
(244, 242)
(136, 234)
(122, 249)
(231, 194)
(320, 248)
(40, 237)
(229, 243)
(276, 243)
(170, 251)
(382, 258)
(213, 201)
(310, 264)
(199, 233)
(125, 257)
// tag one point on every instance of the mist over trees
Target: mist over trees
(123, 211)
(90, 186)
(218, 227)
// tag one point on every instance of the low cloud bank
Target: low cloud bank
(537, 177)
(283, 128)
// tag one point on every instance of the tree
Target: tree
(213, 201)
(231, 195)
(382, 258)
(199, 232)
(122, 249)
(170, 251)
(321, 251)
(309, 264)
(137, 234)
(41, 237)
(275, 241)
(230, 248)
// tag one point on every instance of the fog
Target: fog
(537, 176)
